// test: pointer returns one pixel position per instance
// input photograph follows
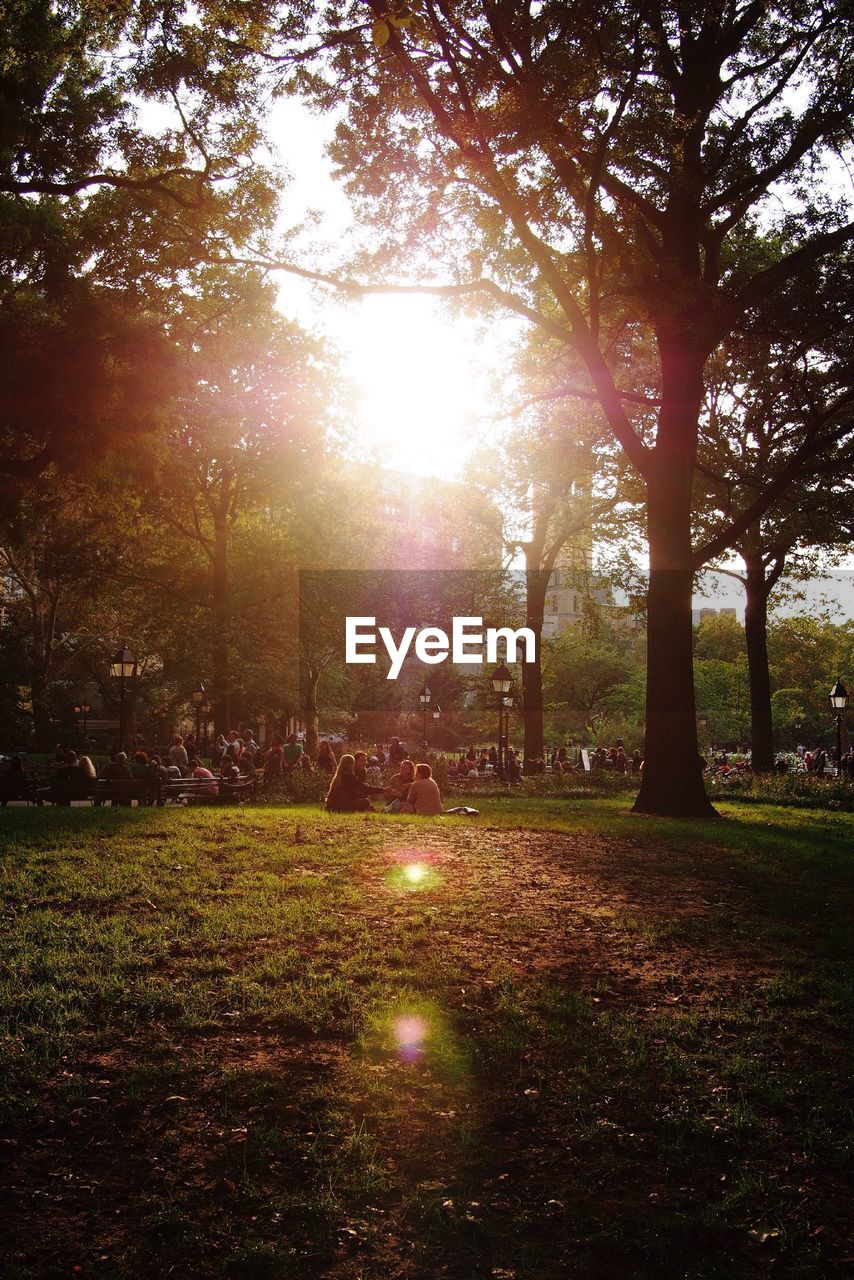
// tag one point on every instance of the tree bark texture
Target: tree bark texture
(672, 782)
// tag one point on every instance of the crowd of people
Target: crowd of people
(356, 782)
(356, 779)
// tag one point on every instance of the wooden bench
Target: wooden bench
(122, 791)
(62, 790)
(206, 790)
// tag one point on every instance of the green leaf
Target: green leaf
(380, 32)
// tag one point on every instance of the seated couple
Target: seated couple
(412, 790)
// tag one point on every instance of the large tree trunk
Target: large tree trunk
(756, 638)
(672, 783)
(312, 722)
(536, 584)
(222, 628)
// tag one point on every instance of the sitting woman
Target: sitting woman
(326, 758)
(346, 793)
(139, 765)
(397, 787)
(86, 766)
(424, 794)
(14, 783)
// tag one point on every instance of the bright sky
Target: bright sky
(423, 394)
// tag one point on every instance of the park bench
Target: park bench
(121, 791)
(21, 788)
(205, 790)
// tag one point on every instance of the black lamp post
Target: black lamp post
(501, 680)
(437, 711)
(839, 701)
(123, 668)
(424, 699)
(198, 698)
(508, 706)
(205, 709)
(83, 711)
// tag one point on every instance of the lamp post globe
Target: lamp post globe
(122, 668)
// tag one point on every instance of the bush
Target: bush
(797, 790)
(563, 785)
(299, 787)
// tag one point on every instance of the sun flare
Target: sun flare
(421, 380)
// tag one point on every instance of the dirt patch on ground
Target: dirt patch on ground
(621, 916)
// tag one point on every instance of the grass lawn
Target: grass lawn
(553, 1041)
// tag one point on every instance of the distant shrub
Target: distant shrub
(797, 790)
(299, 787)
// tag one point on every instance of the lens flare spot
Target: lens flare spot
(413, 874)
(410, 1033)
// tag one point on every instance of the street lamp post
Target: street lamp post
(437, 711)
(85, 710)
(198, 698)
(839, 701)
(424, 699)
(78, 713)
(508, 707)
(123, 668)
(501, 680)
(206, 716)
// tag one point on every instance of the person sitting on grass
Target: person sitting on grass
(326, 758)
(361, 758)
(397, 787)
(346, 793)
(424, 794)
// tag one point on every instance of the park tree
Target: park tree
(600, 173)
(129, 138)
(781, 417)
(583, 670)
(247, 436)
(543, 476)
(59, 552)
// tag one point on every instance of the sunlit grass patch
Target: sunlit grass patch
(546, 1042)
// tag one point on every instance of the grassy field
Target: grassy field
(552, 1041)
